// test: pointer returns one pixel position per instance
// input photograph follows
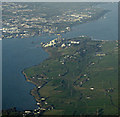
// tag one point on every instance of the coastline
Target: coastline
(94, 18)
(32, 90)
(28, 79)
(36, 85)
(36, 91)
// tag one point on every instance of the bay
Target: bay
(17, 55)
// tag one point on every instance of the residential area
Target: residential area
(24, 20)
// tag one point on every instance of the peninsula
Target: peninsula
(78, 78)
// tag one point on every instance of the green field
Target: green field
(70, 72)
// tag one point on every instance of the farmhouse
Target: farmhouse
(100, 54)
(88, 97)
(91, 88)
(63, 45)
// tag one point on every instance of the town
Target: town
(36, 23)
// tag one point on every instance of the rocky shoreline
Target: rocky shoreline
(40, 101)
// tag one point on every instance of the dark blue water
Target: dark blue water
(21, 53)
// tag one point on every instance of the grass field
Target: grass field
(70, 73)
